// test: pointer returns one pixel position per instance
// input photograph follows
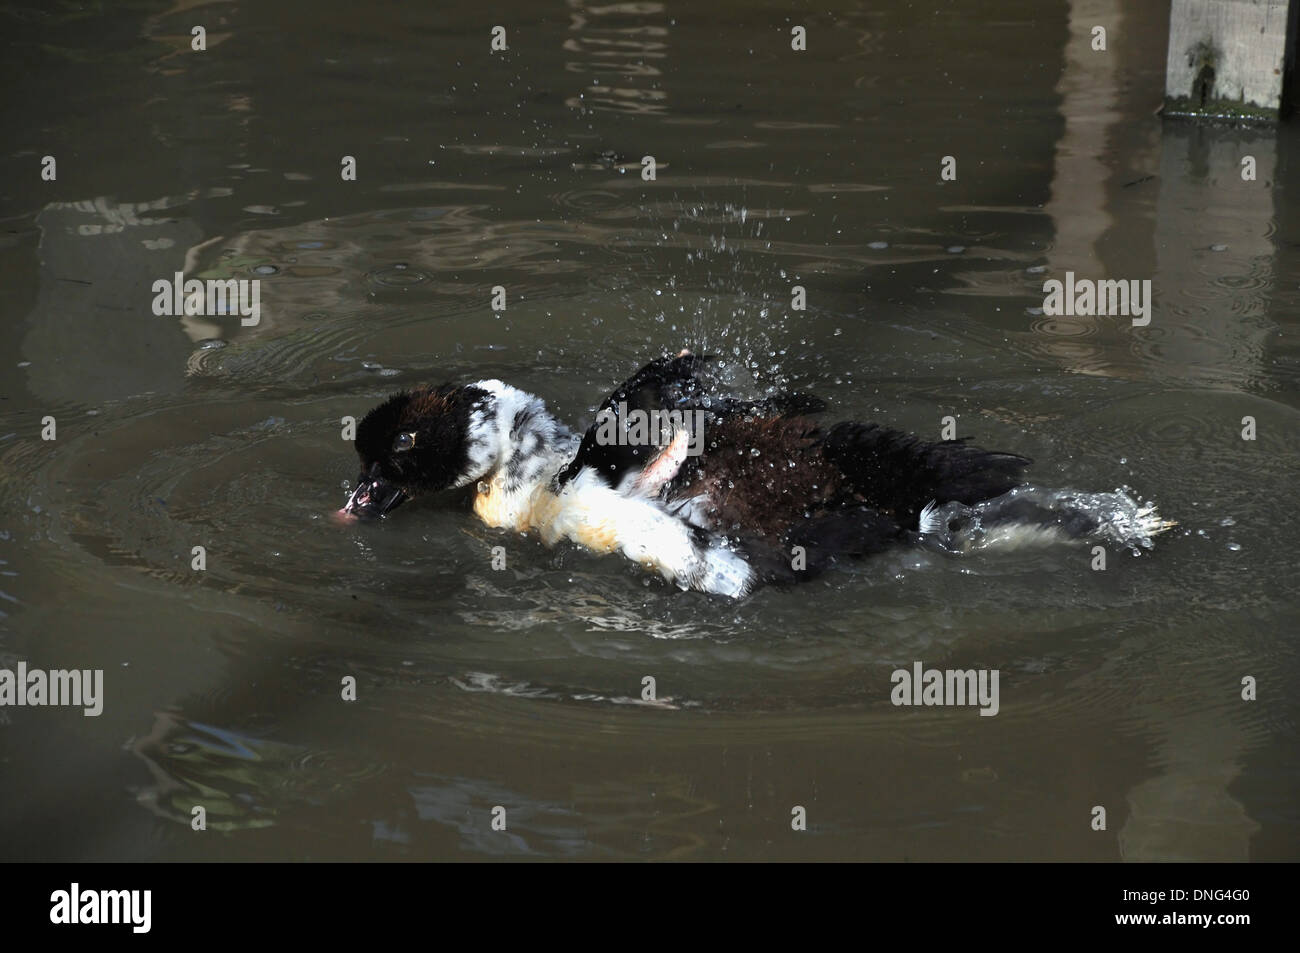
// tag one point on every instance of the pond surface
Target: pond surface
(522, 688)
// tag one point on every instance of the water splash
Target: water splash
(1029, 515)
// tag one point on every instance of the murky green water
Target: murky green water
(522, 688)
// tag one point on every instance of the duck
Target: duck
(715, 493)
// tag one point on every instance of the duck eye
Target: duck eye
(404, 441)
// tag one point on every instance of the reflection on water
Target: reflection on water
(618, 47)
(525, 688)
(200, 765)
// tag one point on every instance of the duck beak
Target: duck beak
(374, 496)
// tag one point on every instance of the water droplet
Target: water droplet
(955, 249)
(1235, 547)
(878, 246)
(210, 344)
(1227, 521)
(265, 270)
(397, 275)
(1218, 247)
(1036, 269)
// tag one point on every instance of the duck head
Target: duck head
(422, 441)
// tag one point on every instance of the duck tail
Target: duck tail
(898, 473)
(1028, 515)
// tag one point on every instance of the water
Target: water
(522, 688)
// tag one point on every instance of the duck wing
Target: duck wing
(667, 385)
(901, 474)
(852, 490)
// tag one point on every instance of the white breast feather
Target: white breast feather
(590, 513)
(586, 510)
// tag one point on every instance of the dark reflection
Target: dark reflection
(532, 827)
(232, 777)
(620, 48)
(92, 334)
(247, 784)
